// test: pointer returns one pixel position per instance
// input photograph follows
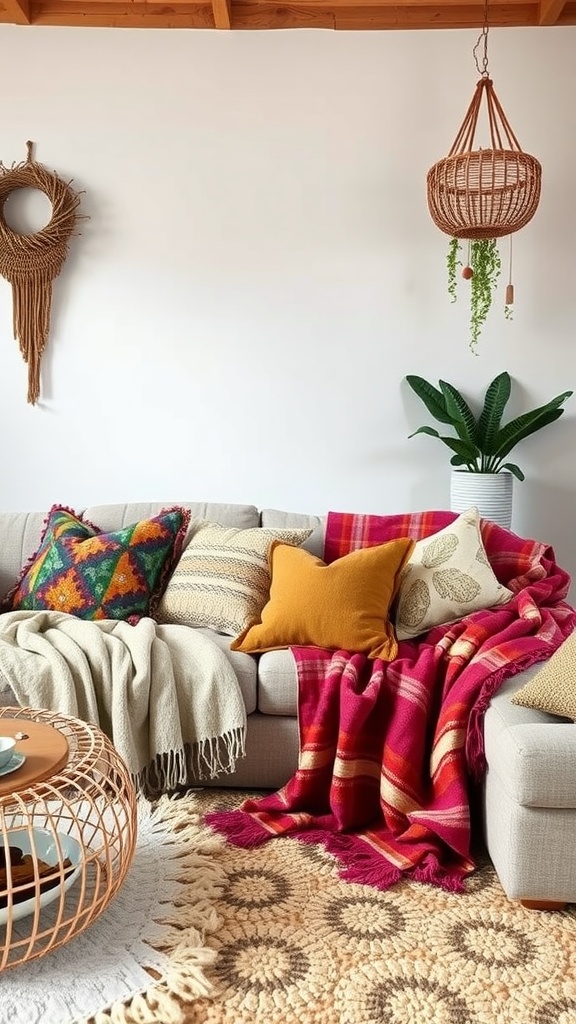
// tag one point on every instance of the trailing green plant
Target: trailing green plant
(483, 271)
(453, 262)
(482, 443)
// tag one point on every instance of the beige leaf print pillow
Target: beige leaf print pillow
(446, 577)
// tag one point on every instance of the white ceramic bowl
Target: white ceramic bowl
(45, 843)
(7, 745)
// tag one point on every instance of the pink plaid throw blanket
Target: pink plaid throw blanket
(388, 750)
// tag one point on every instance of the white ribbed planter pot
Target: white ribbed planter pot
(490, 492)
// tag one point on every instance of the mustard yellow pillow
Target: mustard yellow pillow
(341, 606)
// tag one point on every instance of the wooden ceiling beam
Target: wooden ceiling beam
(18, 11)
(549, 11)
(222, 11)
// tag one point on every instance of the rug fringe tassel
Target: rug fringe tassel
(190, 916)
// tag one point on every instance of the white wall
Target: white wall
(260, 271)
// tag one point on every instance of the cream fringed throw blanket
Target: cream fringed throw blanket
(166, 695)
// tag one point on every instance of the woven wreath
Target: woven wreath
(31, 262)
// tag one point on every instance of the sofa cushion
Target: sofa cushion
(222, 579)
(20, 533)
(532, 754)
(117, 575)
(277, 683)
(553, 687)
(447, 576)
(343, 605)
(244, 665)
(112, 517)
(294, 521)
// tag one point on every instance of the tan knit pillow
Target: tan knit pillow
(222, 579)
(446, 577)
(553, 688)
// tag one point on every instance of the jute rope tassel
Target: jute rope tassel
(31, 262)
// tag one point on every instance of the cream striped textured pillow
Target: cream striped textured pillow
(222, 579)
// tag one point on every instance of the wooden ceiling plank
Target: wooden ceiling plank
(568, 16)
(549, 11)
(411, 17)
(256, 15)
(222, 13)
(124, 6)
(332, 4)
(18, 11)
(121, 15)
(103, 13)
(366, 15)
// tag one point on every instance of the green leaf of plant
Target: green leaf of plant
(462, 416)
(433, 399)
(425, 430)
(516, 430)
(467, 451)
(458, 460)
(515, 470)
(495, 402)
(485, 262)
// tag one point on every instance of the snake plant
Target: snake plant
(482, 443)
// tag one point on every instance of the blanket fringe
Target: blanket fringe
(357, 861)
(188, 918)
(211, 756)
(238, 827)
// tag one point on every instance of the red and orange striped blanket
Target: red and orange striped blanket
(388, 750)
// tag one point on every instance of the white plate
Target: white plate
(44, 842)
(15, 762)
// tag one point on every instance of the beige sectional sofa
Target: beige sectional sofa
(530, 791)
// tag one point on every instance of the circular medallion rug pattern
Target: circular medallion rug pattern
(296, 945)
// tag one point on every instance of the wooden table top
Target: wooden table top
(45, 748)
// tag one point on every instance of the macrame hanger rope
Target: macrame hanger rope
(482, 40)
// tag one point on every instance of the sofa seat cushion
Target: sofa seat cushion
(277, 683)
(532, 753)
(244, 665)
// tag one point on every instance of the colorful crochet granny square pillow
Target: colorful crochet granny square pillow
(94, 575)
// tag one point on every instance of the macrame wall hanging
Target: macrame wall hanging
(31, 262)
(482, 194)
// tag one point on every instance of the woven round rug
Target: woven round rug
(297, 945)
(143, 959)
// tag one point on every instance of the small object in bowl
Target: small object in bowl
(7, 746)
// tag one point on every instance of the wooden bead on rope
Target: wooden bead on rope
(31, 262)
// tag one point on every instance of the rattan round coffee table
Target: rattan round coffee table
(67, 831)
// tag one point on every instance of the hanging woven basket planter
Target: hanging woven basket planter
(31, 262)
(484, 193)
